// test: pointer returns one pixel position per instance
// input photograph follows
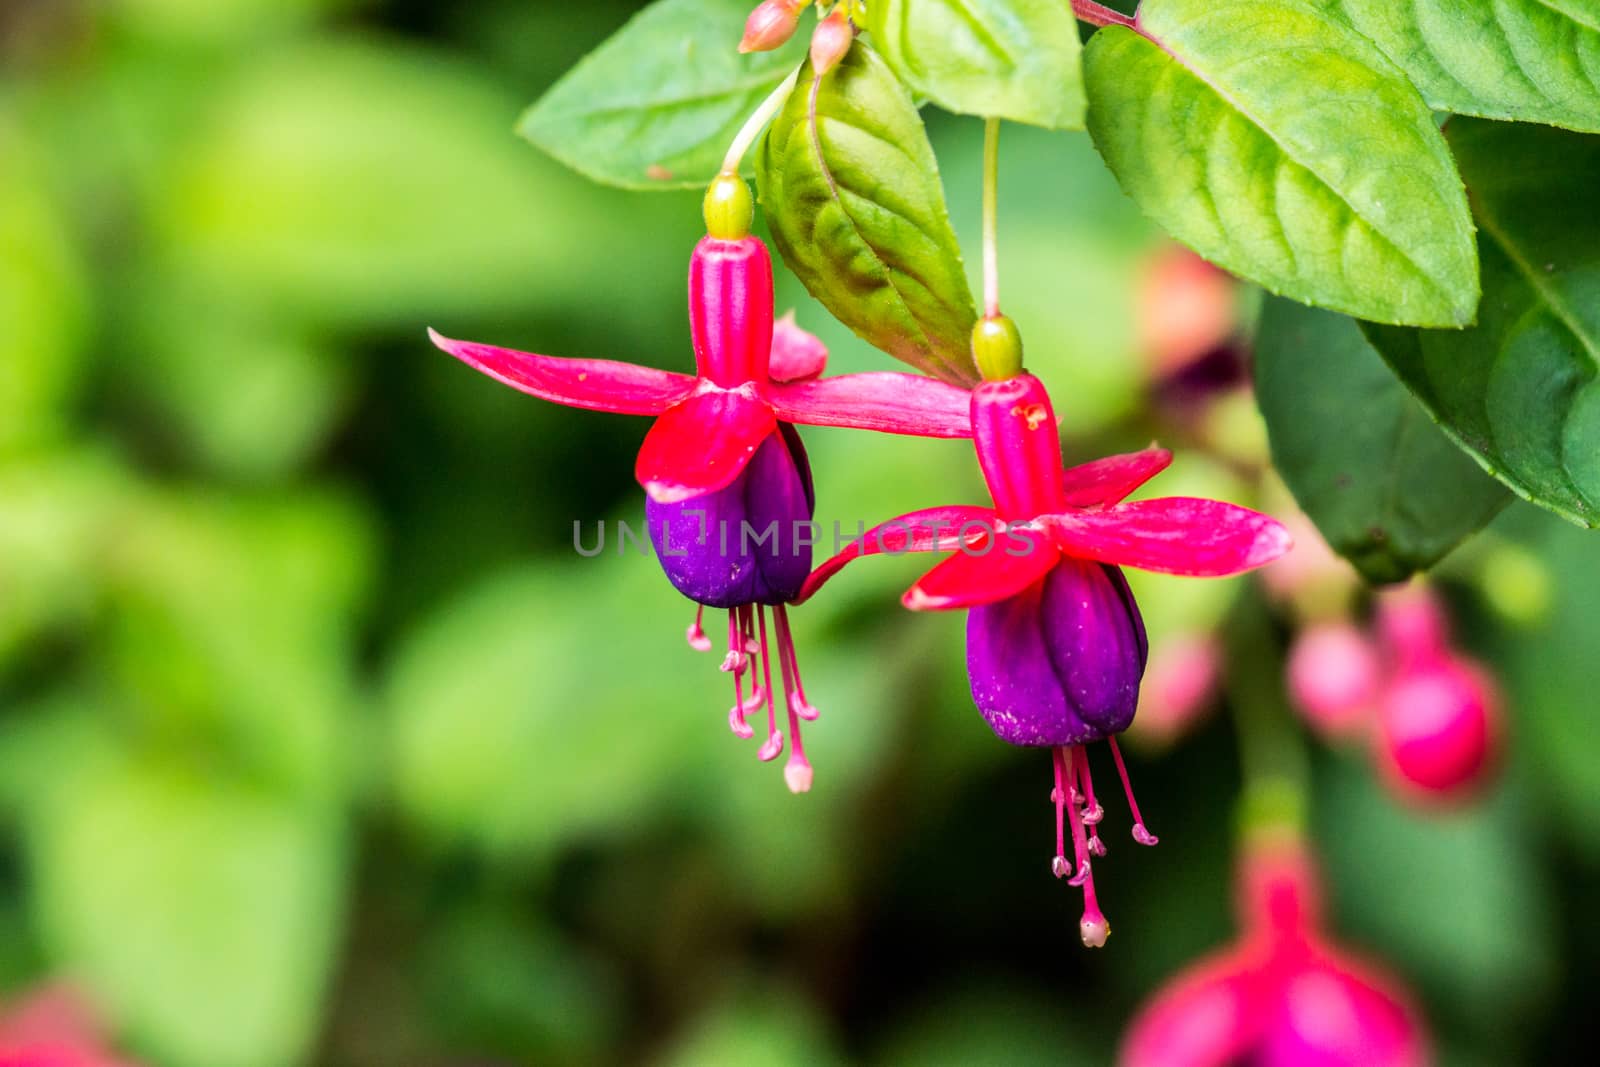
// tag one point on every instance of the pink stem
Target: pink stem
(1058, 796)
(1099, 15)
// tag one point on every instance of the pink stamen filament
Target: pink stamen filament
(774, 745)
(1092, 811)
(1058, 796)
(734, 661)
(791, 660)
(1093, 926)
(736, 717)
(696, 634)
(1140, 833)
(797, 772)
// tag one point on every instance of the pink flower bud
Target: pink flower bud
(771, 25)
(1333, 678)
(1180, 682)
(831, 41)
(1413, 625)
(797, 355)
(1186, 308)
(1439, 730)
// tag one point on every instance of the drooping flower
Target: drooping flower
(1439, 729)
(730, 496)
(1055, 644)
(1282, 996)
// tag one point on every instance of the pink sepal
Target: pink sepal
(594, 384)
(1172, 535)
(929, 530)
(990, 570)
(1208, 1016)
(1112, 479)
(797, 354)
(887, 401)
(702, 444)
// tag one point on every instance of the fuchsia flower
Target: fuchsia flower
(729, 487)
(1334, 675)
(1282, 996)
(1439, 731)
(1055, 643)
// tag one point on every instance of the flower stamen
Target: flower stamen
(1140, 833)
(1093, 927)
(696, 633)
(734, 662)
(797, 772)
(774, 743)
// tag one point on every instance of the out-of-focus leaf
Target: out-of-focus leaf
(350, 183)
(503, 984)
(231, 623)
(990, 1023)
(204, 915)
(221, 20)
(658, 104)
(1010, 59)
(56, 513)
(1519, 391)
(1387, 489)
(1526, 60)
(1548, 668)
(542, 707)
(1491, 951)
(42, 303)
(249, 395)
(851, 191)
(1239, 143)
(774, 1028)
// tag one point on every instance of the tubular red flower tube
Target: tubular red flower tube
(1282, 995)
(1055, 644)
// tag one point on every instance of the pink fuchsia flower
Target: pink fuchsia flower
(1282, 996)
(1334, 675)
(730, 496)
(1055, 643)
(1439, 721)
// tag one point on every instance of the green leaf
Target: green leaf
(657, 105)
(852, 195)
(1387, 489)
(1010, 59)
(203, 914)
(1518, 392)
(1529, 60)
(1282, 145)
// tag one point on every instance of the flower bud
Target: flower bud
(1179, 685)
(771, 25)
(997, 348)
(831, 41)
(1413, 625)
(1439, 729)
(1333, 678)
(797, 354)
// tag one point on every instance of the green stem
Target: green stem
(1272, 754)
(757, 122)
(991, 213)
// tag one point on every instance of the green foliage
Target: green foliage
(1528, 60)
(1386, 488)
(1230, 124)
(1519, 390)
(1010, 59)
(203, 913)
(656, 106)
(852, 195)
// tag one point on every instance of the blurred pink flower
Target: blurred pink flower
(1282, 996)
(1334, 674)
(55, 1026)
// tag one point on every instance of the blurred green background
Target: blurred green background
(318, 744)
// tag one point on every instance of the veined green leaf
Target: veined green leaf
(1384, 485)
(1519, 392)
(852, 195)
(1528, 60)
(657, 105)
(1281, 144)
(1011, 59)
